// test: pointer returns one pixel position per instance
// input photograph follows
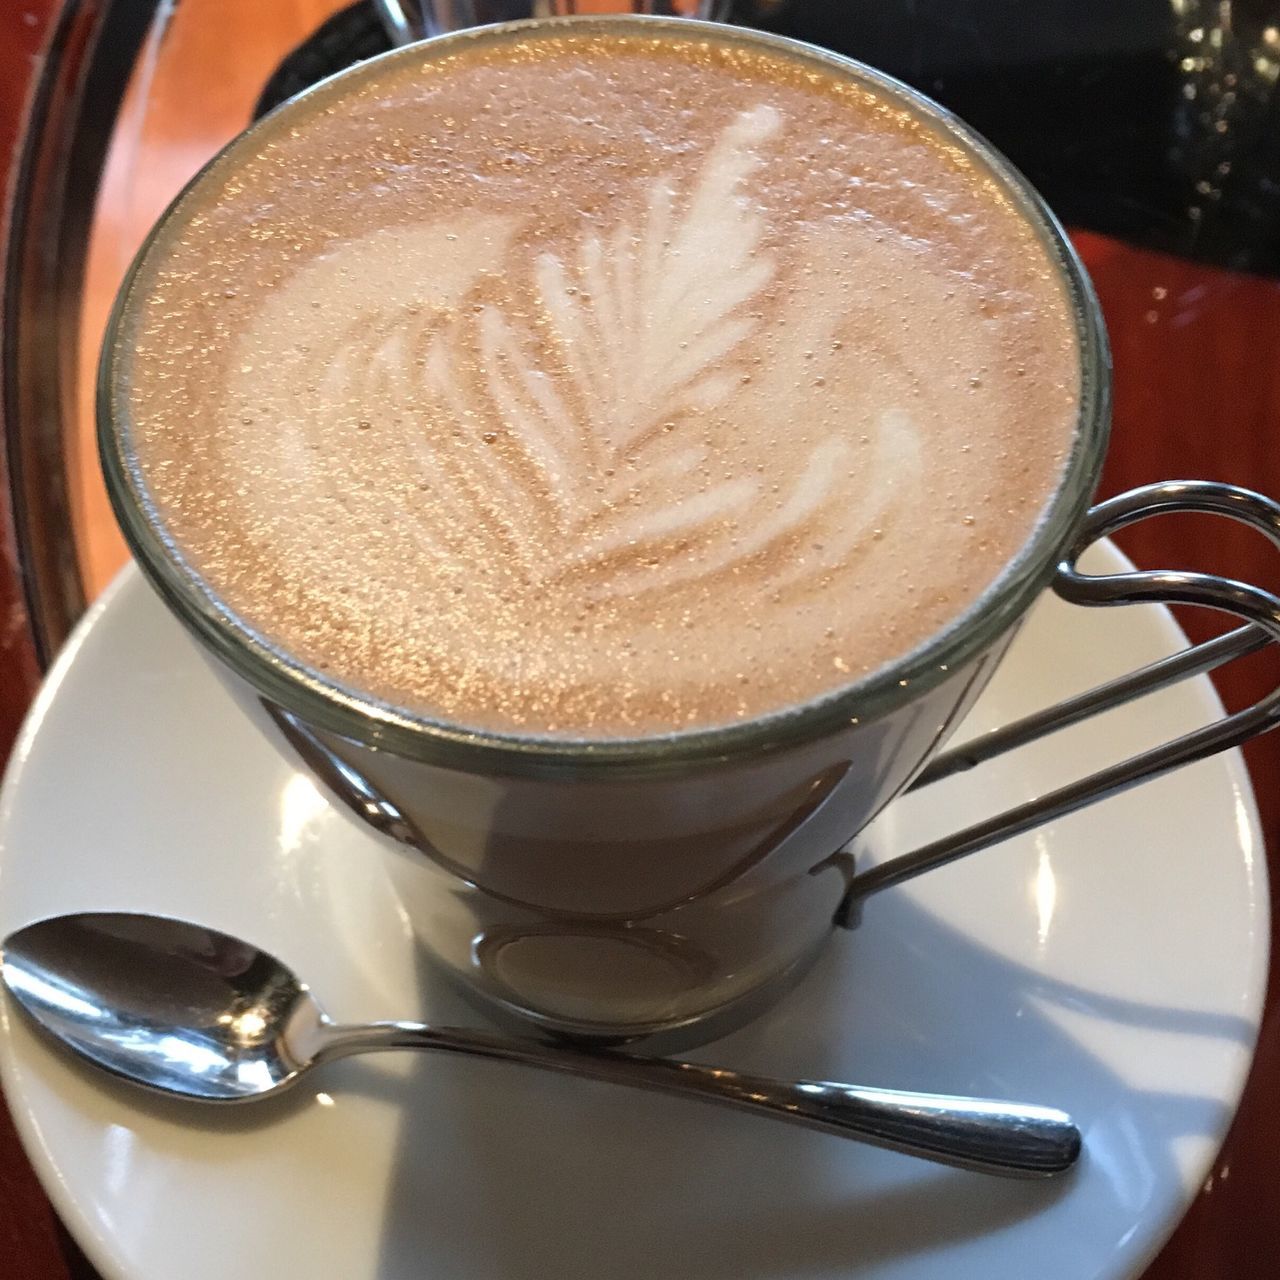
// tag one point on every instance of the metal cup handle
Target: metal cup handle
(1259, 608)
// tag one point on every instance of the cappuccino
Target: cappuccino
(596, 385)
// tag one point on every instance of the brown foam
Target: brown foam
(600, 386)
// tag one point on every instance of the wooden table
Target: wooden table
(1197, 356)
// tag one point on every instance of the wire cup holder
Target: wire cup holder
(1259, 608)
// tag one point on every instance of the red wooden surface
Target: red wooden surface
(1197, 394)
(1197, 354)
(30, 1247)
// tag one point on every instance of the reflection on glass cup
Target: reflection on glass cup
(410, 20)
(624, 888)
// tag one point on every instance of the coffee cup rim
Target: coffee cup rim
(328, 705)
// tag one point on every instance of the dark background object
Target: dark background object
(1154, 120)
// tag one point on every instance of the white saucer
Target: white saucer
(1112, 964)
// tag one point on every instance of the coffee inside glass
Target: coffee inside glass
(614, 454)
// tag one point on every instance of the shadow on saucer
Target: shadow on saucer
(503, 1171)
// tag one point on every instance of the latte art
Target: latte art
(690, 402)
(588, 369)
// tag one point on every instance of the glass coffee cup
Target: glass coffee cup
(665, 888)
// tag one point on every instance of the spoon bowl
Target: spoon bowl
(190, 1011)
(166, 1004)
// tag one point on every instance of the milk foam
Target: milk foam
(717, 443)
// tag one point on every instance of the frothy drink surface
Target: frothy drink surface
(599, 385)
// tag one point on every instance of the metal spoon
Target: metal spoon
(190, 1011)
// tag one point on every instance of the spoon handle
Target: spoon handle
(1017, 1140)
